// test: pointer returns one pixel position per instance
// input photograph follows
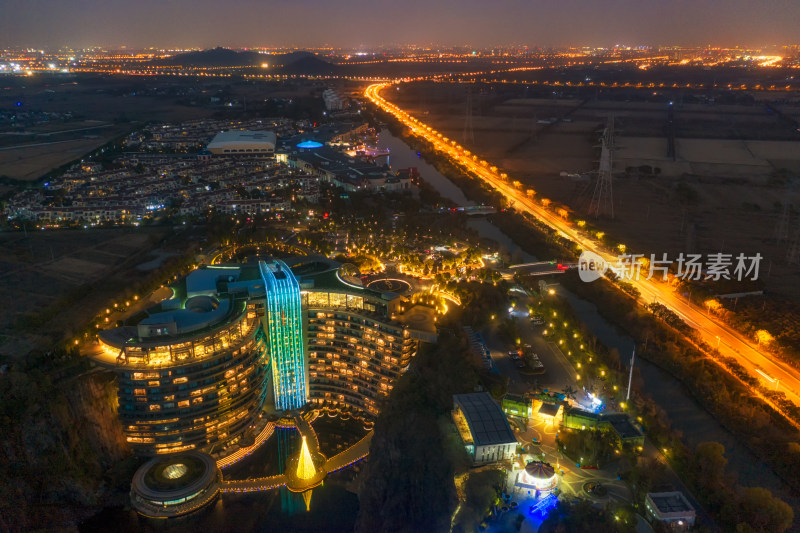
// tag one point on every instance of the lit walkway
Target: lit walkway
(305, 430)
(241, 453)
(253, 485)
(351, 455)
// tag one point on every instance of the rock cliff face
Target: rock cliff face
(58, 442)
(407, 483)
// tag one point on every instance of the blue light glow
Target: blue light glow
(309, 144)
(543, 505)
(285, 326)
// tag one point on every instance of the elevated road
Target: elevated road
(729, 342)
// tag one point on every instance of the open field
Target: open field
(28, 163)
(48, 121)
(78, 270)
(734, 166)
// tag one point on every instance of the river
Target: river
(333, 508)
(401, 156)
(685, 414)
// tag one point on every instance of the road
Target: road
(728, 341)
(559, 374)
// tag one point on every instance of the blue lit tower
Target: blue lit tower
(285, 326)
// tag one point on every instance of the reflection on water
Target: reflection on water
(684, 412)
(329, 507)
(403, 157)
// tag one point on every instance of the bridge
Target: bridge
(343, 459)
(350, 456)
(542, 268)
(240, 454)
(476, 210)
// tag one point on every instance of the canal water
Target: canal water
(686, 415)
(334, 509)
(401, 156)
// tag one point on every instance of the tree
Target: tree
(709, 465)
(481, 491)
(764, 337)
(583, 517)
(762, 511)
(407, 485)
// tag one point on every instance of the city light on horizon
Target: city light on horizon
(584, 23)
(248, 246)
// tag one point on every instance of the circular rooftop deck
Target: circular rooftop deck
(174, 485)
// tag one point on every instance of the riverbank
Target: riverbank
(691, 433)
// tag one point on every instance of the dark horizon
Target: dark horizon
(313, 23)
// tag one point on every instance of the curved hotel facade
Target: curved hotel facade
(196, 372)
(358, 342)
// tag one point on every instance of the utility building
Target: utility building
(483, 427)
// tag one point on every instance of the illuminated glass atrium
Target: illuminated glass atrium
(285, 326)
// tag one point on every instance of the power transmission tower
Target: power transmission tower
(469, 132)
(630, 374)
(603, 198)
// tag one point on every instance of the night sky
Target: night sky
(350, 23)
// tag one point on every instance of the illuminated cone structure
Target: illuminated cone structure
(305, 466)
(305, 470)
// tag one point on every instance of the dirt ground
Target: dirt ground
(734, 167)
(30, 162)
(39, 269)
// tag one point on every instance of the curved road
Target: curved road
(729, 342)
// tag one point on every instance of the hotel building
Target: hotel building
(195, 372)
(359, 340)
(284, 324)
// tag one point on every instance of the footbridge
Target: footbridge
(345, 458)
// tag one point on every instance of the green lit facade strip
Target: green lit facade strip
(285, 332)
(262, 347)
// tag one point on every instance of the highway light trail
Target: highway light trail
(729, 343)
